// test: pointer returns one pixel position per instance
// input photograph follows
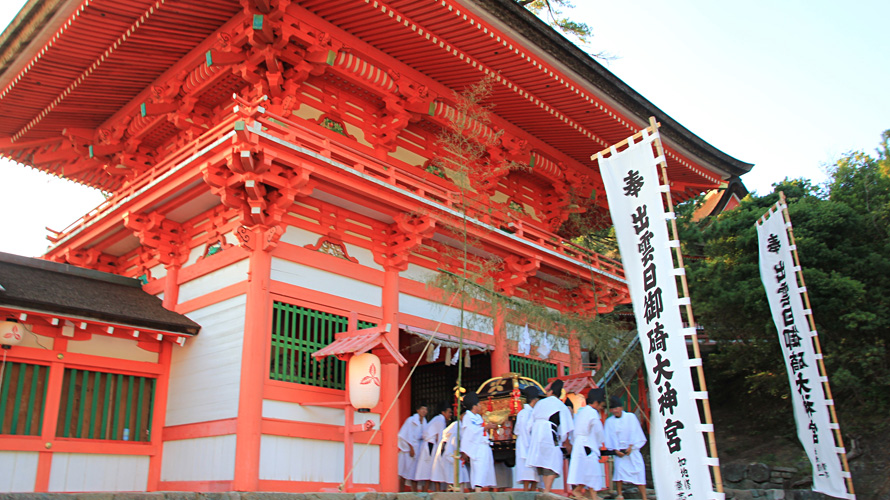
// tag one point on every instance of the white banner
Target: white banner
(811, 411)
(677, 444)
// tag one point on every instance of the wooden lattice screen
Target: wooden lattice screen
(99, 405)
(22, 398)
(541, 371)
(297, 332)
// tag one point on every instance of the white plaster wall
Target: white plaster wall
(19, 471)
(198, 252)
(31, 339)
(199, 459)
(195, 254)
(75, 472)
(211, 282)
(113, 347)
(419, 273)
(299, 237)
(295, 412)
(284, 410)
(297, 459)
(205, 373)
(408, 157)
(366, 459)
(557, 343)
(324, 281)
(158, 272)
(439, 312)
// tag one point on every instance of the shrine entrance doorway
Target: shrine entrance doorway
(434, 383)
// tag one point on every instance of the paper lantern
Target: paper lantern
(11, 333)
(363, 375)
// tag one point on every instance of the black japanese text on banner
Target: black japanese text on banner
(795, 338)
(677, 445)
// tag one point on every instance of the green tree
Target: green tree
(552, 12)
(841, 232)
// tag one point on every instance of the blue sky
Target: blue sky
(788, 85)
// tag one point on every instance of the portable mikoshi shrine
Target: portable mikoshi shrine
(270, 174)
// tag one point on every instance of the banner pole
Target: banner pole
(839, 440)
(706, 405)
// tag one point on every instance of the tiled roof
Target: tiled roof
(50, 287)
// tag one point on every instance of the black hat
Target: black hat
(531, 393)
(471, 399)
(615, 402)
(597, 395)
(556, 387)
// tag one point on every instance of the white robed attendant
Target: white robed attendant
(474, 443)
(432, 435)
(587, 438)
(522, 430)
(410, 439)
(622, 432)
(443, 464)
(546, 438)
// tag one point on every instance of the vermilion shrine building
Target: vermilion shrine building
(305, 205)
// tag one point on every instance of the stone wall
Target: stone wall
(744, 481)
(743, 476)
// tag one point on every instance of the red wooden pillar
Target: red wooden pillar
(253, 369)
(389, 385)
(500, 357)
(50, 415)
(162, 385)
(574, 353)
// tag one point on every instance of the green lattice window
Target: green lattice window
(535, 369)
(100, 405)
(22, 398)
(297, 332)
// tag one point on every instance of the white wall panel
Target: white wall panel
(76, 472)
(298, 459)
(367, 464)
(200, 459)
(284, 410)
(419, 273)
(299, 237)
(205, 373)
(113, 347)
(439, 312)
(557, 343)
(323, 281)
(221, 278)
(158, 272)
(19, 471)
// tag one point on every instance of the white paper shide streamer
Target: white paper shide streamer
(811, 410)
(677, 444)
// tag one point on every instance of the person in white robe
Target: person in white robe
(432, 435)
(585, 470)
(625, 435)
(410, 439)
(474, 443)
(443, 465)
(526, 475)
(552, 424)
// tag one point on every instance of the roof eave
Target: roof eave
(548, 40)
(16, 41)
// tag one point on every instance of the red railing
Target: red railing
(312, 139)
